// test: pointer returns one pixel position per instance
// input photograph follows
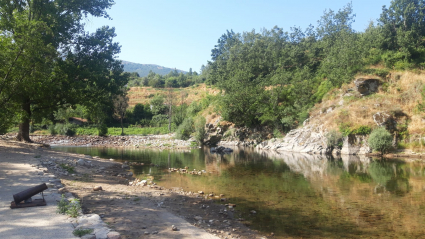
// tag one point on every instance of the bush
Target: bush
(334, 139)
(200, 130)
(103, 129)
(380, 140)
(65, 129)
(185, 129)
(52, 129)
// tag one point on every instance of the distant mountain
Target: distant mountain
(143, 69)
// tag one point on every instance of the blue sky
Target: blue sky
(181, 33)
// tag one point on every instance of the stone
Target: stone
(143, 182)
(253, 212)
(174, 228)
(385, 119)
(81, 162)
(89, 236)
(130, 174)
(125, 166)
(366, 86)
(198, 218)
(114, 235)
(97, 188)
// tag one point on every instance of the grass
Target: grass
(400, 94)
(68, 168)
(82, 232)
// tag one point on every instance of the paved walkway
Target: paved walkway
(16, 175)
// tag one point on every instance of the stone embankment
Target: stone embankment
(157, 141)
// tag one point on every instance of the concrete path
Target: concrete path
(16, 175)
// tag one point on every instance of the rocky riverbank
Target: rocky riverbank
(143, 210)
(155, 141)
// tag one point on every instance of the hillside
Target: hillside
(347, 115)
(143, 95)
(143, 69)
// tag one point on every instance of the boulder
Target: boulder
(386, 120)
(366, 86)
(81, 162)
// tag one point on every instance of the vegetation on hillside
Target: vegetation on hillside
(274, 77)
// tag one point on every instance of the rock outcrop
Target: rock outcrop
(308, 139)
(366, 86)
(311, 139)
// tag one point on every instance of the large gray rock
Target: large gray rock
(308, 139)
(355, 145)
(386, 120)
(366, 86)
(81, 162)
(311, 139)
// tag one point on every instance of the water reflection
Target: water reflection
(297, 195)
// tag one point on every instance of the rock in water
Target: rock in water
(174, 228)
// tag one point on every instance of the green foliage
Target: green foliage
(159, 120)
(82, 232)
(346, 129)
(158, 106)
(52, 129)
(73, 208)
(68, 168)
(324, 87)
(380, 140)
(65, 129)
(69, 207)
(185, 129)
(277, 133)
(362, 130)
(102, 129)
(334, 139)
(193, 109)
(44, 48)
(62, 205)
(200, 129)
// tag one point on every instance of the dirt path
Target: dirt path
(17, 175)
(140, 211)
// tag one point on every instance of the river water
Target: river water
(296, 195)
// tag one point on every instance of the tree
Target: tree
(47, 60)
(120, 108)
(157, 105)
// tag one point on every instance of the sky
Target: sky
(181, 33)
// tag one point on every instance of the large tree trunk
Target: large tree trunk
(24, 126)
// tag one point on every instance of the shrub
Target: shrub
(362, 130)
(334, 139)
(82, 232)
(103, 129)
(200, 129)
(52, 129)
(65, 129)
(185, 129)
(380, 140)
(74, 207)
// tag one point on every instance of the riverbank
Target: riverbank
(138, 211)
(165, 141)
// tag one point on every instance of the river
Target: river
(295, 195)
